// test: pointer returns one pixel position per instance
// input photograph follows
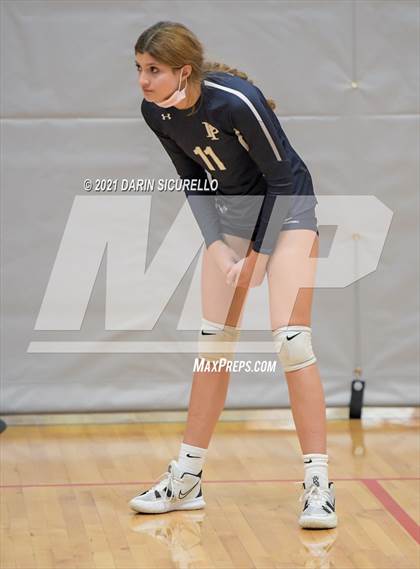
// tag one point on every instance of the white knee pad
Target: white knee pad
(216, 341)
(294, 347)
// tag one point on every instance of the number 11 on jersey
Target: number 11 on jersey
(208, 151)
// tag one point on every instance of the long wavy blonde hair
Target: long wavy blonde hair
(175, 45)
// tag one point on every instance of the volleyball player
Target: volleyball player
(214, 123)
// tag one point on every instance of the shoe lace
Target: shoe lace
(167, 480)
(315, 493)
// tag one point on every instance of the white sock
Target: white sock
(316, 469)
(191, 458)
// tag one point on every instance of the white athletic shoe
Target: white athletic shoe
(176, 490)
(319, 507)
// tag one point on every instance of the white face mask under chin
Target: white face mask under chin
(177, 96)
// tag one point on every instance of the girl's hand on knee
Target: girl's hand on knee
(248, 272)
(232, 276)
(224, 257)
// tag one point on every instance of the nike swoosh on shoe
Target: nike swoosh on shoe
(182, 495)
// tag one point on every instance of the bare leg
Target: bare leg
(224, 304)
(291, 275)
(308, 408)
(207, 400)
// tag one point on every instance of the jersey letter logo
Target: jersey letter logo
(167, 116)
(211, 130)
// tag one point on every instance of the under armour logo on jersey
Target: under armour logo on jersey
(167, 116)
(211, 130)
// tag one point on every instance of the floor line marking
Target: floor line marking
(141, 482)
(393, 507)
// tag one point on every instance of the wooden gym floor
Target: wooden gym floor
(65, 489)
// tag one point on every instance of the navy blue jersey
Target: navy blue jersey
(235, 138)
